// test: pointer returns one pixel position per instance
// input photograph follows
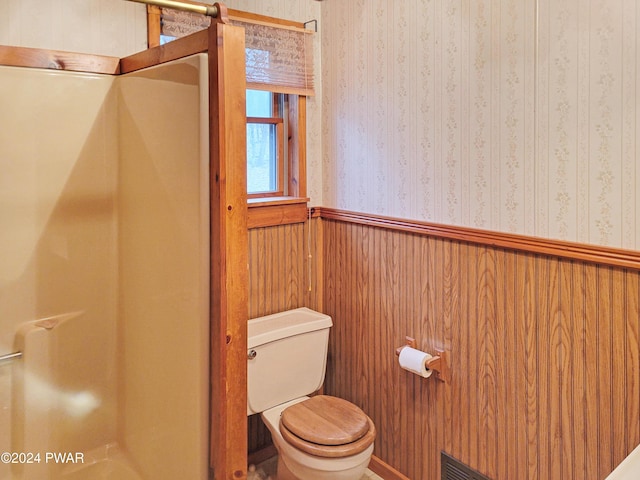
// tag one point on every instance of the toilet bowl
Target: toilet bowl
(296, 464)
(319, 437)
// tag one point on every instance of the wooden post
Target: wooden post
(153, 26)
(229, 250)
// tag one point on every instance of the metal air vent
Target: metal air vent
(452, 469)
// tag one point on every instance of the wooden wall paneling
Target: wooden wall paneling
(520, 367)
(316, 231)
(618, 360)
(461, 357)
(543, 353)
(451, 324)
(505, 424)
(328, 299)
(591, 373)
(488, 358)
(360, 309)
(564, 335)
(392, 330)
(417, 299)
(377, 340)
(474, 341)
(594, 254)
(603, 372)
(399, 324)
(530, 300)
(544, 368)
(429, 343)
(553, 361)
(278, 267)
(632, 365)
(578, 353)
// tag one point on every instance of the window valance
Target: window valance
(278, 57)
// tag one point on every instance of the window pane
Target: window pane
(261, 158)
(259, 103)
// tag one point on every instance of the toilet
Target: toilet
(317, 437)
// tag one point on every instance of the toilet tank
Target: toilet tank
(287, 357)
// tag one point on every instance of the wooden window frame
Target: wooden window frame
(269, 209)
(279, 124)
(277, 120)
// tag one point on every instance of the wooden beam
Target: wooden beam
(229, 250)
(58, 60)
(153, 26)
(179, 48)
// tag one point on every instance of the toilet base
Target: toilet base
(283, 473)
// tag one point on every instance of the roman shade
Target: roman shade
(279, 57)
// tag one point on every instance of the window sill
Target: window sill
(271, 211)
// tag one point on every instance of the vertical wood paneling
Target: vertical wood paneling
(543, 354)
(591, 372)
(618, 358)
(279, 268)
(578, 354)
(603, 370)
(632, 359)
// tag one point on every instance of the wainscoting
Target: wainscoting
(280, 277)
(543, 353)
(543, 350)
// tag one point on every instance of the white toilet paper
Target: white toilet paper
(415, 361)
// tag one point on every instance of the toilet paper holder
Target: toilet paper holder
(438, 364)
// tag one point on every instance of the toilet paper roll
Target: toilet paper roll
(415, 361)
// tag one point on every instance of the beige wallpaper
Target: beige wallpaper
(104, 27)
(509, 115)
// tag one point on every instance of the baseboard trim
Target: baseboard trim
(570, 250)
(385, 470)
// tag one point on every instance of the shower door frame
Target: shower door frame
(228, 313)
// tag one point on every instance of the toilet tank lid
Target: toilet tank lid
(285, 324)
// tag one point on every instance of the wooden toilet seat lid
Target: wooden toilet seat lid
(326, 420)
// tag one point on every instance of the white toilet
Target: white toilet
(317, 438)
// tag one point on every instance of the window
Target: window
(266, 148)
(279, 76)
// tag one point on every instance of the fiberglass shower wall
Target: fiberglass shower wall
(104, 237)
(58, 258)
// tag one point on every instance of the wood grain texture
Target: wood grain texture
(179, 48)
(57, 60)
(524, 243)
(543, 353)
(229, 251)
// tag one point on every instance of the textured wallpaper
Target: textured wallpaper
(509, 115)
(103, 27)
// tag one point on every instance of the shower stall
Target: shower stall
(112, 253)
